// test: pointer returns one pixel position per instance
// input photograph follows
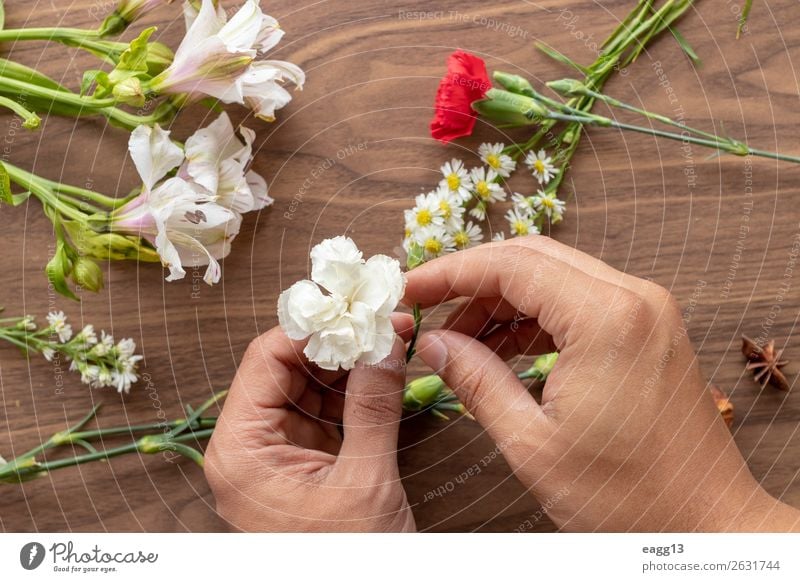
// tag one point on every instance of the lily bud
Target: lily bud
(127, 12)
(130, 92)
(514, 83)
(87, 274)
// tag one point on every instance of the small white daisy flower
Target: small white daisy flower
(451, 208)
(498, 236)
(492, 155)
(87, 336)
(478, 211)
(104, 345)
(521, 224)
(58, 321)
(524, 204)
(126, 348)
(541, 165)
(48, 353)
(549, 205)
(484, 185)
(469, 236)
(435, 241)
(456, 178)
(425, 213)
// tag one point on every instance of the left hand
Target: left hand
(277, 461)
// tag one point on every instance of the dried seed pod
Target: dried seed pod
(765, 363)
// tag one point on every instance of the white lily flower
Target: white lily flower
(352, 323)
(217, 161)
(217, 57)
(180, 218)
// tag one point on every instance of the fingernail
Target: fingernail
(435, 353)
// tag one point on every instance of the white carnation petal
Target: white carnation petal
(384, 341)
(336, 265)
(383, 284)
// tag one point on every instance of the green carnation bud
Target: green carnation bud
(423, 392)
(568, 87)
(541, 368)
(509, 108)
(514, 83)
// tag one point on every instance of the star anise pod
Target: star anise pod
(765, 363)
(724, 405)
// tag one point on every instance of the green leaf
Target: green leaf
(58, 269)
(743, 19)
(561, 58)
(684, 44)
(5, 186)
(135, 57)
(416, 256)
(2, 15)
(18, 199)
(95, 76)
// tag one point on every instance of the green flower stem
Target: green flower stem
(636, 29)
(417, 323)
(60, 196)
(55, 33)
(727, 145)
(30, 119)
(101, 433)
(649, 115)
(152, 446)
(8, 84)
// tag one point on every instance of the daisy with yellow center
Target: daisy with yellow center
(426, 213)
(456, 178)
(469, 236)
(521, 223)
(492, 155)
(541, 165)
(451, 208)
(485, 186)
(435, 241)
(547, 204)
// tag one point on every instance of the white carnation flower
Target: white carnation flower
(352, 322)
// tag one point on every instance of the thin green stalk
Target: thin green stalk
(412, 345)
(55, 33)
(55, 95)
(43, 192)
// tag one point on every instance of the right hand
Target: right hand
(626, 436)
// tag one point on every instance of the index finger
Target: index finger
(540, 278)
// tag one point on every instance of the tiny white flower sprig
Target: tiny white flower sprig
(453, 216)
(101, 362)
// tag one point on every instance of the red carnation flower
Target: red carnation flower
(466, 81)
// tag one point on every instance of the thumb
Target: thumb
(372, 409)
(484, 383)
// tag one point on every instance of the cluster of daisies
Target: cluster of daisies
(453, 216)
(101, 362)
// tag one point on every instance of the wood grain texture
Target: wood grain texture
(373, 71)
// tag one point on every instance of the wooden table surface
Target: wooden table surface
(347, 156)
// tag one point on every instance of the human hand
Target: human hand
(626, 436)
(277, 461)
